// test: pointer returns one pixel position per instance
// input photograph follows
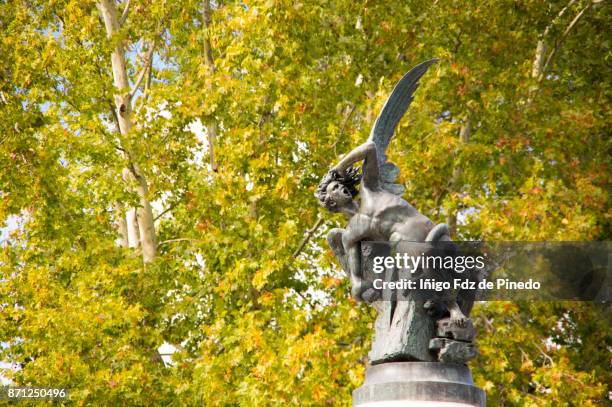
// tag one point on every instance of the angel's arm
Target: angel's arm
(366, 153)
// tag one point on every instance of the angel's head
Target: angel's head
(338, 190)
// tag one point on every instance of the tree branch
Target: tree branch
(211, 128)
(124, 15)
(309, 233)
(305, 299)
(181, 239)
(145, 67)
(347, 118)
(164, 212)
(563, 10)
(206, 21)
(563, 37)
(542, 47)
(147, 86)
(546, 355)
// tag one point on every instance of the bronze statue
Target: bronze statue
(383, 215)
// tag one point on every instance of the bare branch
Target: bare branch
(563, 37)
(182, 239)
(563, 10)
(309, 233)
(546, 355)
(541, 48)
(124, 15)
(347, 118)
(164, 212)
(147, 86)
(305, 299)
(145, 67)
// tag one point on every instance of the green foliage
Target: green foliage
(295, 84)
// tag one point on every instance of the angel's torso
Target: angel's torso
(385, 216)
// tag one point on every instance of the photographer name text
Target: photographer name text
(455, 284)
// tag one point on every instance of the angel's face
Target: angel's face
(339, 194)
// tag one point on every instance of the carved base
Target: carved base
(450, 351)
(418, 384)
(454, 343)
(402, 331)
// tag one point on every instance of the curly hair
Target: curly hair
(349, 179)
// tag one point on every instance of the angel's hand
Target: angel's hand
(336, 171)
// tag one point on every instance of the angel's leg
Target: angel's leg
(348, 261)
(361, 289)
(354, 264)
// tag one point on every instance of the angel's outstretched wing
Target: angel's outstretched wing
(386, 122)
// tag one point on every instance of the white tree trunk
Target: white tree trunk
(146, 225)
(132, 228)
(121, 225)
(538, 62)
(123, 105)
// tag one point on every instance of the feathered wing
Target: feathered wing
(387, 120)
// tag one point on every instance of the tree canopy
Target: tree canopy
(159, 160)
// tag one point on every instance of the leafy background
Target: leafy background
(507, 139)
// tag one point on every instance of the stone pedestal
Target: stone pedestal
(418, 384)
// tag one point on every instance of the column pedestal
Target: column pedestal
(418, 384)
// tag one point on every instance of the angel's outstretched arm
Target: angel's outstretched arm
(366, 153)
